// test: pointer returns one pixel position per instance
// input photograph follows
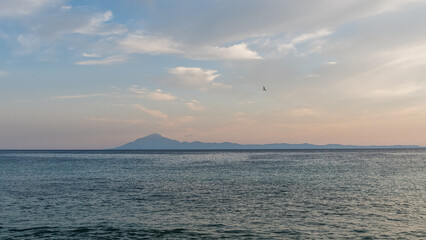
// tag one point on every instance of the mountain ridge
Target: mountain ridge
(158, 142)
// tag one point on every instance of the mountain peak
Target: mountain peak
(155, 142)
(152, 141)
(154, 135)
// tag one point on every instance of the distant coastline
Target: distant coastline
(158, 142)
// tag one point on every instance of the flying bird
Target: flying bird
(264, 89)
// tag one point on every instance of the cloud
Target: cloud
(65, 7)
(178, 121)
(406, 56)
(197, 78)
(245, 102)
(90, 55)
(86, 24)
(76, 28)
(154, 113)
(303, 112)
(234, 52)
(194, 105)
(233, 21)
(405, 89)
(185, 119)
(114, 120)
(104, 61)
(157, 95)
(312, 75)
(315, 46)
(77, 96)
(3, 73)
(18, 8)
(29, 42)
(194, 75)
(390, 72)
(310, 36)
(54, 24)
(136, 43)
(146, 44)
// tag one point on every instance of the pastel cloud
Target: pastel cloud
(77, 96)
(115, 120)
(193, 77)
(146, 44)
(263, 18)
(310, 36)
(194, 105)
(328, 66)
(103, 61)
(307, 37)
(156, 95)
(137, 43)
(234, 52)
(154, 113)
(159, 95)
(395, 91)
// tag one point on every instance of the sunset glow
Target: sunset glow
(97, 74)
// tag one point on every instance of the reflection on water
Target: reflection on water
(212, 194)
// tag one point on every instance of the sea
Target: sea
(249, 194)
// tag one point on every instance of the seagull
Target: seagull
(264, 89)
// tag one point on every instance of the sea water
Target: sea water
(304, 194)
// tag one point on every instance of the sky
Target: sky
(95, 74)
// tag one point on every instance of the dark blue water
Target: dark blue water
(317, 194)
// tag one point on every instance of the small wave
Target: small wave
(81, 230)
(30, 229)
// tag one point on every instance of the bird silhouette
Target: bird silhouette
(264, 89)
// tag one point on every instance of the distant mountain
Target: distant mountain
(157, 142)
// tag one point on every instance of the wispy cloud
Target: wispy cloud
(146, 44)
(394, 91)
(154, 113)
(115, 120)
(66, 7)
(137, 43)
(315, 46)
(304, 112)
(310, 36)
(245, 102)
(312, 75)
(77, 96)
(234, 52)
(195, 105)
(97, 25)
(157, 95)
(406, 57)
(56, 22)
(194, 75)
(104, 61)
(18, 8)
(90, 55)
(198, 78)
(3, 73)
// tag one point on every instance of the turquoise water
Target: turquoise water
(306, 194)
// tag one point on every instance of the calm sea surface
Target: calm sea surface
(306, 194)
